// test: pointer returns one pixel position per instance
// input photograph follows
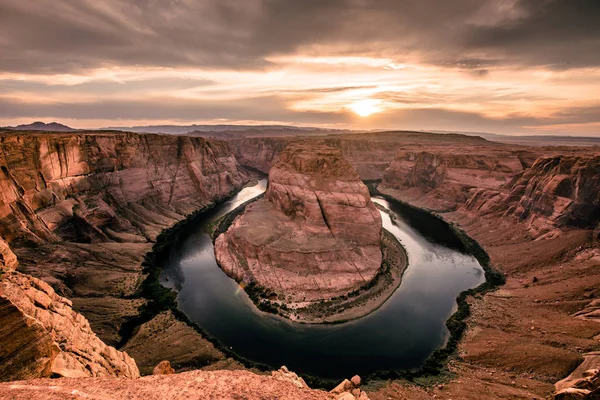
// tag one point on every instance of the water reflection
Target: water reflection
(399, 335)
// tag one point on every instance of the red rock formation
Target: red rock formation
(8, 259)
(42, 336)
(369, 153)
(187, 385)
(553, 194)
(81, 210)
(316, 234)
(107, 186)
(445, 180)
(557, 192)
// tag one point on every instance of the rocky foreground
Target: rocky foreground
(163, 384)
(316, 235)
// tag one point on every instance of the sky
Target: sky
(501, 66)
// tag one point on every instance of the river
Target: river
(399, 335)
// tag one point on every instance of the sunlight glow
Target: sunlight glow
(366, 107)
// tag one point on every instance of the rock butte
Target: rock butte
(314, 236)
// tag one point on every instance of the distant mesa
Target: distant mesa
(42, 126)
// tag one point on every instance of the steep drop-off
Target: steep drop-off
(369, 153)
(42, 336)
(316, 235)
(81, 210)
(107, 186)
(537, 226)
(444, 180)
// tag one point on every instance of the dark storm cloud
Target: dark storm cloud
(73, 35)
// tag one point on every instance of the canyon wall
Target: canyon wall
(553, 194)
(369, 153)
(316, 234)
(539, 225)
(107, 186)
(445, 179)
(42, 336)
(546, 193)
(81, 210)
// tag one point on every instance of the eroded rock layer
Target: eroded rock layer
(444, 180)
(42, 336)
(107, 186)
(315, 235)
(81, 210)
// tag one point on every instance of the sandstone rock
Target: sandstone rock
(557, 192)
(583, 382)
(356, 380)
(370, 154)
(344, 386)
(346, 396)
(69, 186)
(573, 394)
(443, 180)
(187, 385)
(316, 234)
(8, 259)
(49, 338)
(82, 209)
(28, 349)
(163, 368)
(283, 374)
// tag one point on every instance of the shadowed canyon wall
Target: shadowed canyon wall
(81, 210)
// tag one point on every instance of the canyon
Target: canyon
(315, 236)
(81, 210)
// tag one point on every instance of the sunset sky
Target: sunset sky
(503, 66)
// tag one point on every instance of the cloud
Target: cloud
(269, 108)
(75, 35)
(498, 65)
(273, 108)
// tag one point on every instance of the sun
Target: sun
(366, 107)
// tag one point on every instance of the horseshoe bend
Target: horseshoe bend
(314, 238)
(300, 199)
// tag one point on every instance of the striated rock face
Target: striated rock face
(446, 180)
(80, 210)
(553, 194)
(314, 236)
(369, 153)
(316, 185)
(107, 186)
(8, 259)
(42, 336)
(557, 192)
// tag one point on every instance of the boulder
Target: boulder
(163, 368)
